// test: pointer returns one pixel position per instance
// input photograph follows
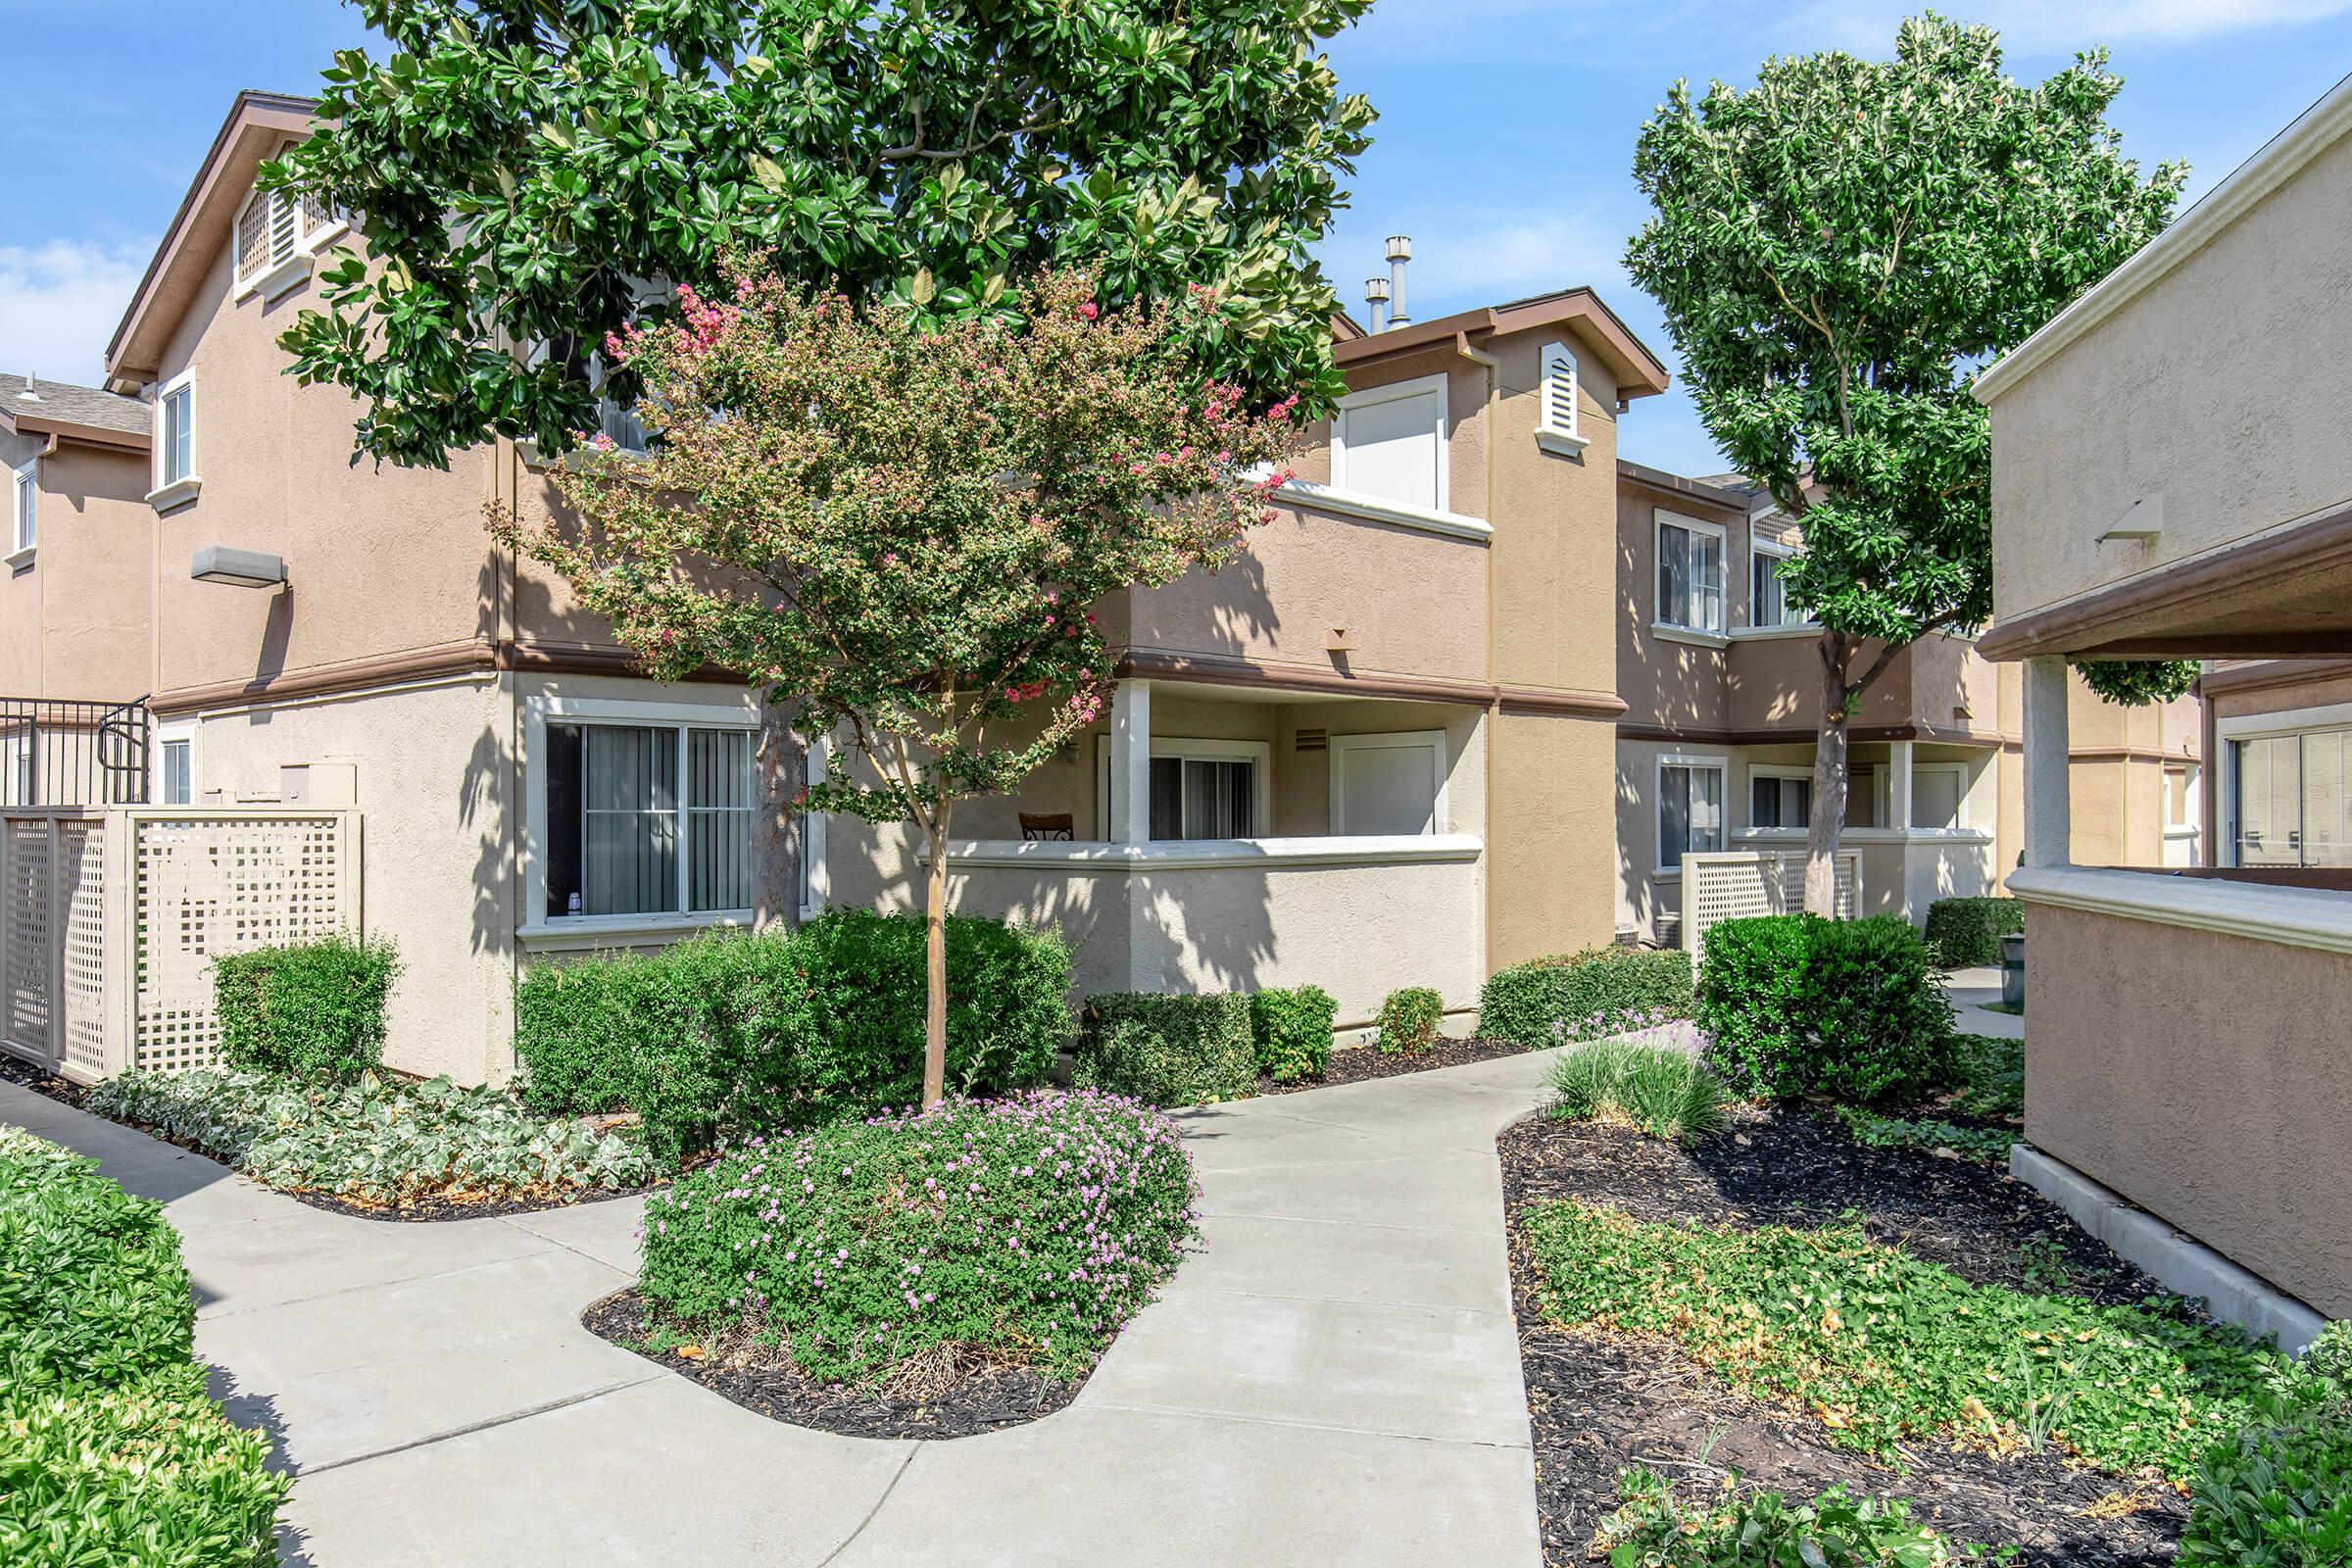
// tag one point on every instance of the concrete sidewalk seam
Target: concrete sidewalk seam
(396, 1280)
(1194, 1413)
(468, 1430)
(1360, 1224)
(896, 1475)
(1382, 1302)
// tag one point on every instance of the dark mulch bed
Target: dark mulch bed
(949, 1403)
(16, 1070)
(1361, 1063)
(1599, 1404)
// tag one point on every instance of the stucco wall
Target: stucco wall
(1552, 837)
(74, 623)
(2204, 1076)
(435, 790)
(2242, 350)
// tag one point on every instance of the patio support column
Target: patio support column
(2049, 828)
(1898, 788)
(1131, 763)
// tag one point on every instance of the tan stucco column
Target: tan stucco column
(2049, 827)
(1899, 792)
(1131, 763)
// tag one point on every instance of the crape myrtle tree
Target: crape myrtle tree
(902, 521)
(527, 172)
(1838, 250)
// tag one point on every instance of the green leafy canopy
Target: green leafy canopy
(524, 170)
(1839, 250)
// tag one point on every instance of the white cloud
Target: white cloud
(60, 302)
(2033, 26)
(1465, 259)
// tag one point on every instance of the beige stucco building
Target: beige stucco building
(2172, 479)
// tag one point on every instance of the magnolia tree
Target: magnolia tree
(902, 524)
(1838, 250)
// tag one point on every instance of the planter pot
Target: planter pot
(2013, 969)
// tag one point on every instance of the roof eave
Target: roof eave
(1638, 372)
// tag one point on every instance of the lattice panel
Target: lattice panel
(81, 879)
(24, 886)
(1740, 887)
(205, 886)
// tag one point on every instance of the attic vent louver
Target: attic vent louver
(1312, 740)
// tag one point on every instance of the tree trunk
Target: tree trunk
(935, 1014)
(1829, 771)
(780, 772)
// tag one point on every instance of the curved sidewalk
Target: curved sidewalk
(1333, 1378)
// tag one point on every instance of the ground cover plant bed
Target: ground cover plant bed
(14, 1069)
(1604, 1400)
(1361, 1063)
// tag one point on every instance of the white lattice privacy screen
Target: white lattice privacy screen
(1738, 885)
(109, 919)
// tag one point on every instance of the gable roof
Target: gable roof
(74, 413)
(257, 124)
(1638, 372)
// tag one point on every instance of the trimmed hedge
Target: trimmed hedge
(1292, 1032)
(1408, 1020)
(1853, 1009)
(1965, 933)
(312, 1010)
(1024, 1230)
(114, 1453)
(1168, 1048)
(735, 1031)
(1584, 996)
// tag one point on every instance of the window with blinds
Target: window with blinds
(1779, 800)
(2293, 800)
(1203, 798)
(1689, 811)
(176, 459)
(1689, 574)
(1389, 444)
(648, 819)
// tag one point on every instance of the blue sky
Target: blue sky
(1505, 145)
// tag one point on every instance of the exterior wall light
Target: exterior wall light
(238, 568)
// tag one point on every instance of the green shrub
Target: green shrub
(1889, 1349)
(2330, 1354)
(1965, 933)
(1292, 1032)
(1024, 1230)
(1795, 1005)
(735, 1031)
(313, 1011)
(1990, 1145)
(1409, 1019)
(2279, 1494)
(1168, 1048)
(378, 1140)
(1584, 996)
(110, 1450)
(1660, 1090)
(1743, 1526)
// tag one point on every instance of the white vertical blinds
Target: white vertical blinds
(718, 794)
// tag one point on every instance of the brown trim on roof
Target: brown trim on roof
(1801, 735)
(2270, 673)
(2102, 622)
(95, 435)
(1639, 371)
(1674, 484)
(1219, 669)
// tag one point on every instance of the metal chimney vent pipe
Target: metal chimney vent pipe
(1401, 251)
(1376, 298)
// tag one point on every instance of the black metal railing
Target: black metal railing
(73, 753)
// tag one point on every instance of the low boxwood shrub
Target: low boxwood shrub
(376, 1141)
(1291, 1030)
(737, 1031)
(313, 1011)
(1736, 1525)
(1166, 1049)
(1965, 933)
(1795, 1005)
(110, 1449)
(2279, 1493)
(1409, 1019)
(1026, 1229)
(1584, 996)
(1661, 1090)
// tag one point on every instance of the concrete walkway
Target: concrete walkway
(1333, 1378)
(1969, 990)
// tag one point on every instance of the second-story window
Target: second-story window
(175, 455)
(23, 499)
(1388, 443)
(1690, 574)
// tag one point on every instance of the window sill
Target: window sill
(178, 493)
(17, 559)
(1690, 635)
(1313, 497)
(587, 933)
(1774, 837)
(276, 280)
(1204, 854)
(1767, 634)
(1560, 444)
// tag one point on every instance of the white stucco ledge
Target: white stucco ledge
(1313, 496)
(1086, 857)
(597, 933)
(2302, 917)
(2174, 1259)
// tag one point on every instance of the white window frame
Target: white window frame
(2191, 796)
(1393, 391)
(735, 713)
(171, 492)
(1434, 739)
(817, 873)
(278, 274)
(1774, 770)
(23, 511)
(1259, 754)
(1559, 431)
(1660, 520)
(1657, 806)
(1959, 772)
(179, 733)
(2297, 722)
(1760, 548)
